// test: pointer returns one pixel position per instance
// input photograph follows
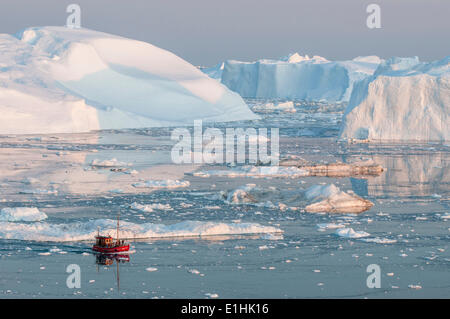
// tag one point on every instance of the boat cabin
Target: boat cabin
(104, 241)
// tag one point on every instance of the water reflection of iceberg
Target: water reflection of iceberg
(407, 175)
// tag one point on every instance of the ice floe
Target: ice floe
(324, 226)
(379, 240)
(109, 163)
(150, 207)
(363, 168)
(350, 233)
(255, 172)
(168, 183)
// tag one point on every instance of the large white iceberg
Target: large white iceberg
(295, 77)
(403, 100)
(57, 80)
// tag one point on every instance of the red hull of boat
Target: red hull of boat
(111, 250)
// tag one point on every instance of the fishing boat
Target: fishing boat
(109, 245)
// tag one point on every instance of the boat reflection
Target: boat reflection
(108, 260)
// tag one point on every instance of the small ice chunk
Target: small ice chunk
(194, 271)
(417, 287)
(350, 233)
(330, 226)
(109, 163)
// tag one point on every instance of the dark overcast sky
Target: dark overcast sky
(205, 32)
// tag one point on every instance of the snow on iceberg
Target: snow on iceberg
(296, 77)
(329, 198)
(42, 231)
(403, 100)
(58, 80)
(26, 214)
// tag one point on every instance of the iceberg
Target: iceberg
(295, 77)
(404, 99)
(214, 72)
(76, 231)
(329, 198)
(63, 80)
(26, 214)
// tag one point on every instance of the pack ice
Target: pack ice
(58, 80)
(403, 100)
(295, 77)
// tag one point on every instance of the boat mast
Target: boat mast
(118, 217)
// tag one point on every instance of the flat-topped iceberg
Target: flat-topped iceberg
(58, 80)
(403, 100)
(295, 77)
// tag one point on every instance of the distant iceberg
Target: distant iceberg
(295, 77)
(58, 80)
(403, 100)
